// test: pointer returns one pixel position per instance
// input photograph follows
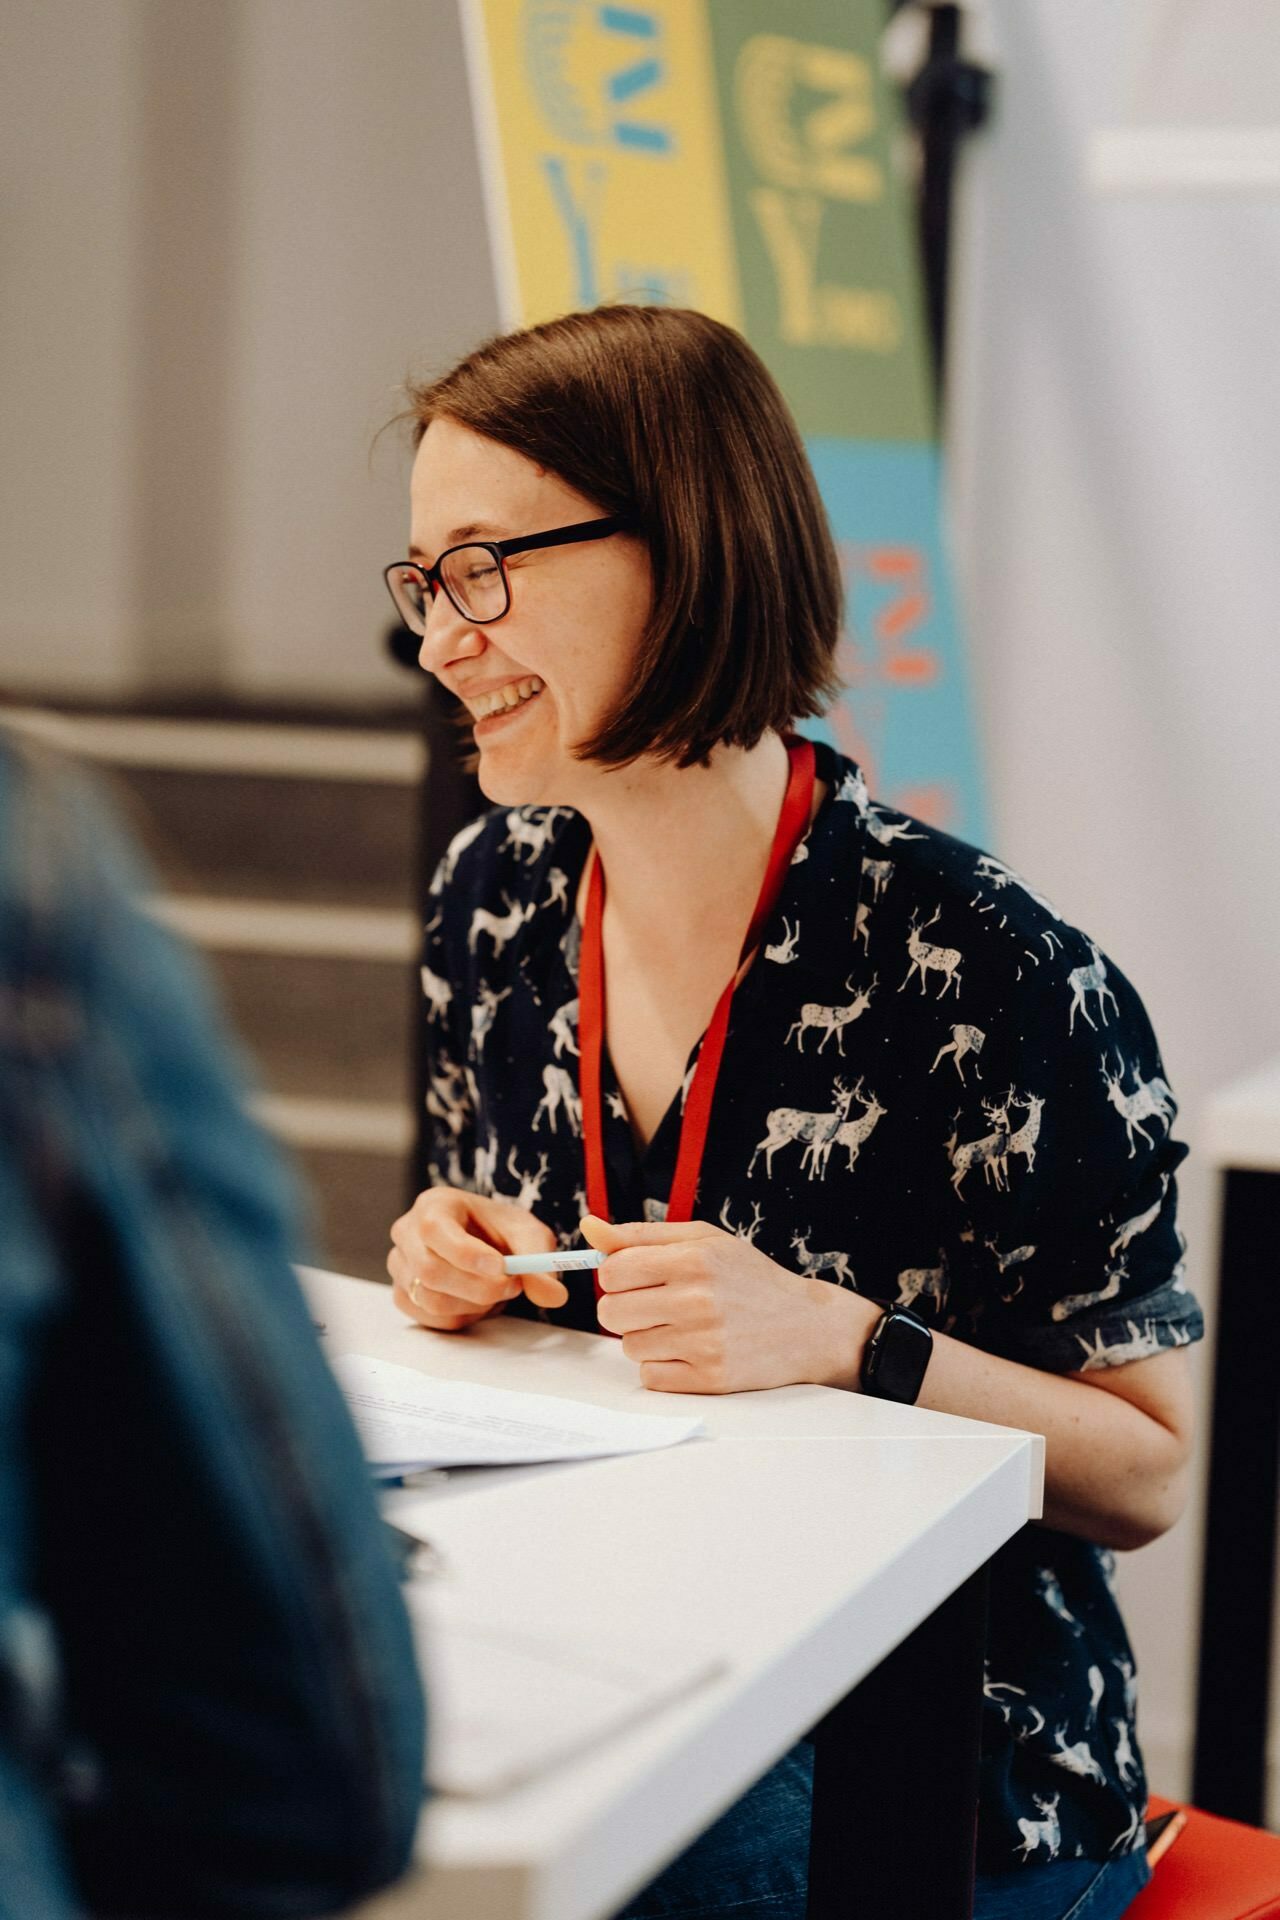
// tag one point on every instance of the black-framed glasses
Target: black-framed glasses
(474, 575)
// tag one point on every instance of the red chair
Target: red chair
(1215, 1870)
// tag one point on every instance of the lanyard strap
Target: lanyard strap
(793, 822)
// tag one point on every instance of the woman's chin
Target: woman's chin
(513, 779)
(520, 763)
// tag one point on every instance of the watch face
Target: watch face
(902, 1354)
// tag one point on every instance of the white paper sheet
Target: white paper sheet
(408, 1421)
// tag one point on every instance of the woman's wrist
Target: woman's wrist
(842, 1323)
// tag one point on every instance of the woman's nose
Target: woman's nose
(447, 636)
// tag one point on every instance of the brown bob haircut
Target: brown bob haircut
(670, 419)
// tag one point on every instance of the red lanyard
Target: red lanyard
(793, 822)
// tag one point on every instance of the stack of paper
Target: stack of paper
(410, 1421)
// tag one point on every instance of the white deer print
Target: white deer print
(832, 1020)
(838, 1263)
(1042, 1833)
(1140, 1345)
(500, 927)
(853, 788)
(1150, 1100)
(522, 832)
(457, 847)
(1015, 1258)
(1130, 1229)
(1126, 1759)
(558, 888)
(992, 1687)
(1024, 1140)
(486, 1164)
(815, 1130)
(1033, 1726)
(862, 924)
(783, 952)
(1077, 1302)
(559, 1093)
(996, 875)
(1124, 1841)
(1076, 1759)
(1083, 980)
(987, 1153)
(445, 1100)
(752, 1228)
(530, 1184)
(964, 1040)
(852, 1135)
(931, 1282)
(1125, 1668)
(887, 831)
(483, 1012)
(1097, 1686)
(563, 1026)
(437, 993)
(1051, 1594)
(923, 956)
(878, 872)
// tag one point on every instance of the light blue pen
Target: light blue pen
(552, 1262)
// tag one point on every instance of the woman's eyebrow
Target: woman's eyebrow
(481, 529)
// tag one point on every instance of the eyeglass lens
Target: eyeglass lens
(472, 577)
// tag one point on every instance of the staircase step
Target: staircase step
(324, 998)
(348, 843)
(328, 932)
(384, 756)
(320, 814)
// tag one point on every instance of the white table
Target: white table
(1242, 1140)
(816, 1534)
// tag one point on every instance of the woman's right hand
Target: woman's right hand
(446, 1258)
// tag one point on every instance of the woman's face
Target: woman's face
(573, 627)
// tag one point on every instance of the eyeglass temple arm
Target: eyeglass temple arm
(559, 536)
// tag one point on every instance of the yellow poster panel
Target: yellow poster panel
(603, 155)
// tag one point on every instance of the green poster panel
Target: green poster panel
(823, 223)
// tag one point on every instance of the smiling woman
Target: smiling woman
(842, 1114)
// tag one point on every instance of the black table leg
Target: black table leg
(1233, 1692)
(895, 1777)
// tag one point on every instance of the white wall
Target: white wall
(66, 234)
(1115, 435)
(229, 231)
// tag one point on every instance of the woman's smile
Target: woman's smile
(500, 701)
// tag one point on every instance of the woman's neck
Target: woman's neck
(684, 849)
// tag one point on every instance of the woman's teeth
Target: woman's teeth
(512, 695)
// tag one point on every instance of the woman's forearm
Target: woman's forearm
(1113, 1473)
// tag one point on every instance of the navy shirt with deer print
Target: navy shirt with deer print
(934, 1090)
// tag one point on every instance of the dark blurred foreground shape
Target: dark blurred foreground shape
(208, 1697)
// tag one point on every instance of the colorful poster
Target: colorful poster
(741, 156)
(604, 164)
(822, 223)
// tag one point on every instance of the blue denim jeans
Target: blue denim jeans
(753, 1864)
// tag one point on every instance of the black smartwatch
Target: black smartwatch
(893, 1366)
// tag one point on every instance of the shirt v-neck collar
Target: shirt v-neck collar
(823, 881)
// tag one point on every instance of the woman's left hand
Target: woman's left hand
(702, 1311)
